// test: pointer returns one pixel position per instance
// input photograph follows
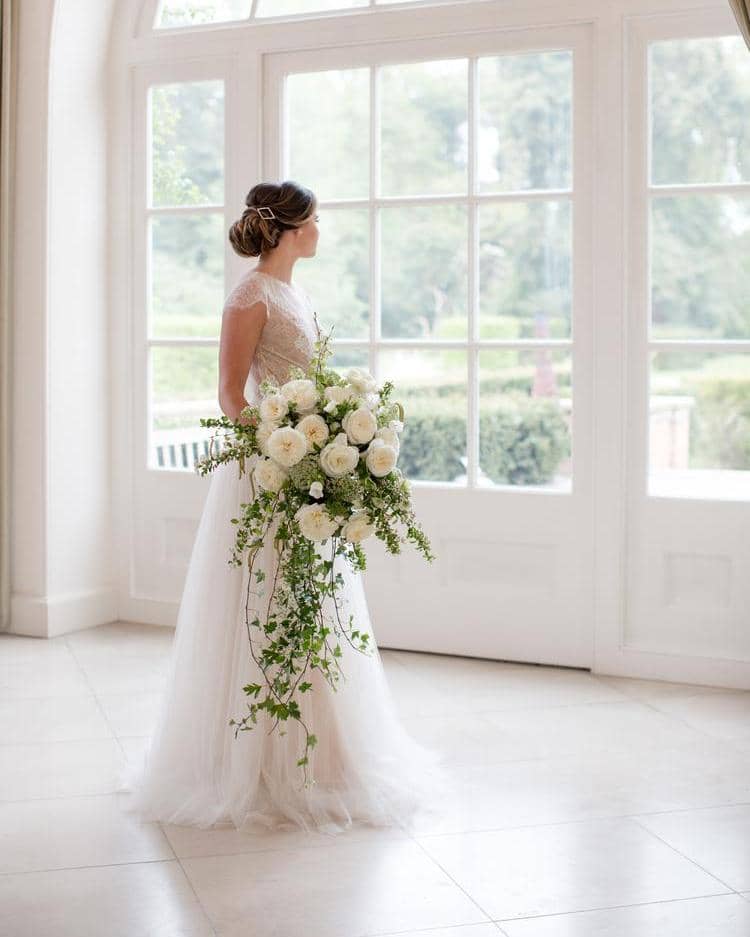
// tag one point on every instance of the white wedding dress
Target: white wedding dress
(195, 771)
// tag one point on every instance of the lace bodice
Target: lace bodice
(289, 333)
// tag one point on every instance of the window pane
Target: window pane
(700, 267)
(197, 12)
(699, 431)
(424, 271)
(329, 132)
(431, 386)
(339, 278)
(525, 114)
(699, 100)
(290, 7)
(187, 143)
(525, 404)
(187, 276)
(525, 270)
(349, 357)
(424, 125)
(184, 388)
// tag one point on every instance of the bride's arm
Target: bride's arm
(241, 328)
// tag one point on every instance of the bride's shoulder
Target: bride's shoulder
(249, 289)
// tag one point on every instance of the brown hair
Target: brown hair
(291, 203)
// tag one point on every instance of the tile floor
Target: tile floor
(581, 806)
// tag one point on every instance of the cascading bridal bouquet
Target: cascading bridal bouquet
(323, 449)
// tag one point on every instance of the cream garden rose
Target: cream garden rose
(314, 428)
(269, 475)
(273, 407)
(389, 436)
(380, 458)
(357, 528)
(302, 392)
(262, 433)
(338, 458)
(361, 380)
(287, 445)
(359, 425)
(315, 522)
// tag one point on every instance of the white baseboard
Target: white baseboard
(50, 616)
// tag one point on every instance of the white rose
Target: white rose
(381, 457)
(273, 407)
(389, 436)
(301, 391)
(287, 445)
(262, 433)
(269, 475)
(338, 458)
(337, 393)
(315, 522)
(357, 528)
(314, 428)
(361, 380)
(372, 401)
(316, 490)
(359, 425)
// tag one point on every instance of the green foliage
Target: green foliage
(295, 632)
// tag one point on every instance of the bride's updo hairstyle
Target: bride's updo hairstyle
(291, 203)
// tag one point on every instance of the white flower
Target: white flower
(315, 522)
(269, 475)
(357, 528)
(301, 391)
(314, 428)
(262, 433)
(359, 425)
(287, 445)
(338, 393)
(372, 401)
(361, 380)
(396, 425)
(273, 407)
(389, 436)
(316, 490)
(338, 458)
(381, 457)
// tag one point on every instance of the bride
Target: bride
(197, 770)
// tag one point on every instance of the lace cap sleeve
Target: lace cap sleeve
(248, 291)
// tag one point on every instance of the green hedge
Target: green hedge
(522, 441)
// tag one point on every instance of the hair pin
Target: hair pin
(263, 209)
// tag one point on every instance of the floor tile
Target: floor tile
(346, 890)
(68, 832)
(723, 715)
(130, 714)
(59, 769)
(567, 867)
(596, 785)
(717, 839)
(433, 684)
(56, 719)
(30, 668)
(189, 842)
(151, 899)
(722, 916)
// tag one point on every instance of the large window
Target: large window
(699, 259)
(176, 13)
(445, 254)
(185, 264)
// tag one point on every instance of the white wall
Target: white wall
(61, 573)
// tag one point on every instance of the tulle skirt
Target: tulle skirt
(195, 771)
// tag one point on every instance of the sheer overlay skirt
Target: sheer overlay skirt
(195, 772)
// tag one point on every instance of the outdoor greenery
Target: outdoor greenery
(699, 244)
